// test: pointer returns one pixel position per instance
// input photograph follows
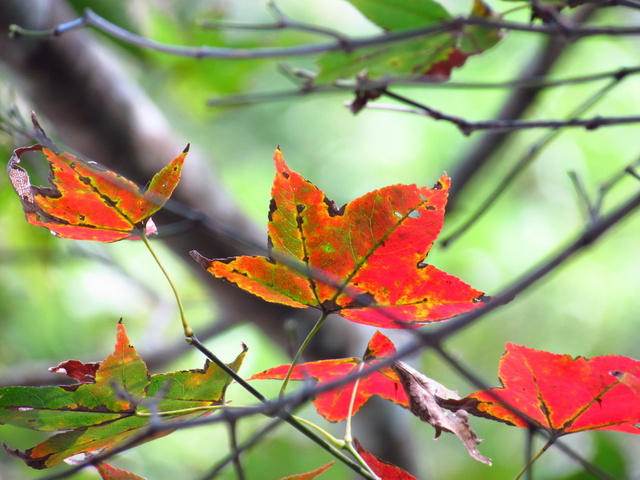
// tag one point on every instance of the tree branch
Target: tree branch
(92, 19)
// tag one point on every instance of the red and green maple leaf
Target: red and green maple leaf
(334, 404)
(562, 393)
(111, 406)
(86, 201)
(364, 261)
(430, 56)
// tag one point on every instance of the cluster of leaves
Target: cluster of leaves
(364, 261)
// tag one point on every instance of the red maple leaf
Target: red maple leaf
(334, 404)
(384, 470)
(562, 393)
(86, 201)
(309, 475)
(107, 472)
(364, 260)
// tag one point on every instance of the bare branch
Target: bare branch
(526, 159)
(282, 22)
(90, 18)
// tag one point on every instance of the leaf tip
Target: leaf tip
(443, 183)
(278, 159)
(202, 260)
(41, 136)
(34, 120)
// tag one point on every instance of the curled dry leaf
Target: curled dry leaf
(428, 401)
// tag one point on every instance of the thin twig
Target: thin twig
(536, 82)
(529, 453)
(583, 197)
(284, 415)
(281, 22)
(233, 447)
(594, 470)
(520, 166)
(607, 186)
(467, 127)
(255, 438)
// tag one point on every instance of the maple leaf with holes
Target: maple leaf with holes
(86, 201)
(334, 404)
(561, 393)
(364, 261)
(431, 57)
(110, 405)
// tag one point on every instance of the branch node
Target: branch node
(622, 73)
(595, 122)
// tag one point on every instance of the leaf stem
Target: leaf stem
(188, 331)
(183, 411)
(347, 433)
(335, 442)
(301, 350)
(346, 444)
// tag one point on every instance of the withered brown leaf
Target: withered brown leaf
(428, 401)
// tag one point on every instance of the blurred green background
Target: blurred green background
(61, 299)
